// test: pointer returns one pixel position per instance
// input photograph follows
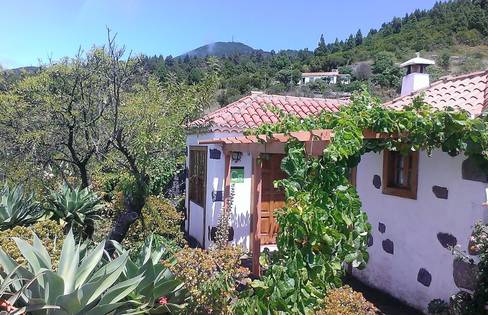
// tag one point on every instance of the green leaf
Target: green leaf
(68, 262)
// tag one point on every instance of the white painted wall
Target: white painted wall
(414, 82)
(413, 225)
(240, 218)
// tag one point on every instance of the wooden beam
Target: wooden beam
(280, 137)
(315, 148)
(302, 136)
(256, 214)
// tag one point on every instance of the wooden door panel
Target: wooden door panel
(271, 198)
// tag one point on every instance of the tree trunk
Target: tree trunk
(133, 204)
(85, 181)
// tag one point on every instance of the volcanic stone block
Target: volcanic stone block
(381, 227)
(424, 277)
(440, 192)
(388, 246)
(217, 196)
(215, 154)
(471, 170)
(465, 274)
(370, 240)
(377, 181)
(447, 240)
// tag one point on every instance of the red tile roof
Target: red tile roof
(465, 92)
(253, 110)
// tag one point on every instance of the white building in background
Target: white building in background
(418, 206)
(332, 77)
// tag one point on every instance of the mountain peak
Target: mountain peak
(220, 49)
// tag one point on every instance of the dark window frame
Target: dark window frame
(400, 174)
(197, 175)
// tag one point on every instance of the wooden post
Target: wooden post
(256, 214)
(227, 180)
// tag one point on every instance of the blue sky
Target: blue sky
(33, 30)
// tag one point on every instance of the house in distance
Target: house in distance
(332, 77)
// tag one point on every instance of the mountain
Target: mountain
(220, 49)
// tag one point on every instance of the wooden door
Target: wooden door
(271, 198)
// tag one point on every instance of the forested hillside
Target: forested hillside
(454, 33)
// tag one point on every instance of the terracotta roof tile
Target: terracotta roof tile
(465, 92)
(254, 110)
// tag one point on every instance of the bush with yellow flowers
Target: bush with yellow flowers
(160, 217)
(48, 231)
(346, 301)
(210, 276)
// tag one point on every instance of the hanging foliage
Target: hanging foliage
(322, 226)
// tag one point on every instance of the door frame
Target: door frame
(204, 205)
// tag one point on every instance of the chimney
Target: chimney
(417, 78)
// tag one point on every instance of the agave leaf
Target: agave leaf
(70, 303)
(104, 309)
(167, 308)
(32, 308)
(54, 286)
(30, 255)
(120, 290)
(147, 283)
(93, 290)
(146, 249)
(88, 264)
(41, 251)
(166, 287)
(68, 262)
(109, 268)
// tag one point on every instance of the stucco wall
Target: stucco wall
(240, 218)
(412, 226)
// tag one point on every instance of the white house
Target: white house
(418, 205)
(332, 77)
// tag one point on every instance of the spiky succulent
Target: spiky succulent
(18, 208)
(159, 292)
(77, 207)
(82, 283)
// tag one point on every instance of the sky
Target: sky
(34, 30)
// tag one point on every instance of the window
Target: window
(197, 175)
(400, 174)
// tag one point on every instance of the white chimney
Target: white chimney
(417, 78)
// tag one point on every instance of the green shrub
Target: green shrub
(48, 231)
(210, 278)
(438, 306)
(17, 208)
(158, 216)
(345, 301)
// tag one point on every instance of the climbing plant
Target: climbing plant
(322, 225)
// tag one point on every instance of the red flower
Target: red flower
(163, 300)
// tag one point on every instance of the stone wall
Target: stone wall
(409, 247)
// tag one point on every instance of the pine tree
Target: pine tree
(359, 38)
(321, 50)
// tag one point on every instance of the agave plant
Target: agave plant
(8, 299)
(159, 292)
(82, 283)
(18, 208)
(77, 207)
